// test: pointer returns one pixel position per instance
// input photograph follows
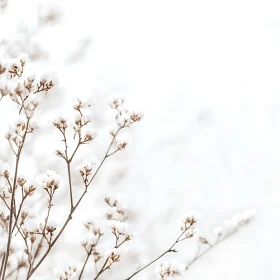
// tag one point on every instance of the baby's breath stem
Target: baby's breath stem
(19, 210)
(3, 261)
(70, 184)
(84, 266)
(163, 254)
(12, 201)
(43, 234)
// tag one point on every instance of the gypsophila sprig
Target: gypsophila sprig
(166, 269)
(18, 85)
(189, 230)
(65, 273)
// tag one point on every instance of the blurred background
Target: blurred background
(206, 75)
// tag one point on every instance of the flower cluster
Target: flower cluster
(50, 182)
(82, 119)
(60, 123)
(92, 238)
(123, 116)
(166, 269)
(65, 273)
(87, 167)
(188, 224)
(113, 256)
(4, 169)
(234, 223)
(120, 228)
(116, 210)
(23, 87)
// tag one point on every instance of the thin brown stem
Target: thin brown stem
(2, 263)
(167, 251)
(84, 266)
(43, 235)
(103, 268)
(63, 131)
(12, 201)
(19, 210)
(70, 183)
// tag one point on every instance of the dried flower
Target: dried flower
(123, 140)
(166, 269)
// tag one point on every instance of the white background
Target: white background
(206, 74)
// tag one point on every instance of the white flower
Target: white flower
(50, 180)
(118, 227)
(89, 135)
(23, 57)
(28, 212)
(4, 169)
(136, 116)
(113, 255)
(122, 140)
(7, 86)
(31, 225)
(33, 124)
(49, 78)
(235, 222)
(115, 101)
(83, 103)
(91, 238)
(166, 269)
(113, 129)
(189, 219)
(88, 166)
(66, 273)
(59, 122)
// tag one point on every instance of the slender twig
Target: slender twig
(84, 266)
(12, 200)
(117, 245)
(103, 268)
(43, 233)
(19, 210)
(70, 184)
(88, 255)
(166, 252)
(2, 263)
(63, 131)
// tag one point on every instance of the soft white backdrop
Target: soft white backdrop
(206, 74)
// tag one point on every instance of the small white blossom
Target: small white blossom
(89, 135)
(66, 273)
(60, 123)
(5, 169)
(166, 269)
(119, 227)
(115, 102)
(189, 219)
(23, 57)
(80, 103)
(33, 124)
(235, 222)
(123, 140)
(50, 181)
(87, 167)
(113, 255)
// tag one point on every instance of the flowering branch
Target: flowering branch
(229, 227)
